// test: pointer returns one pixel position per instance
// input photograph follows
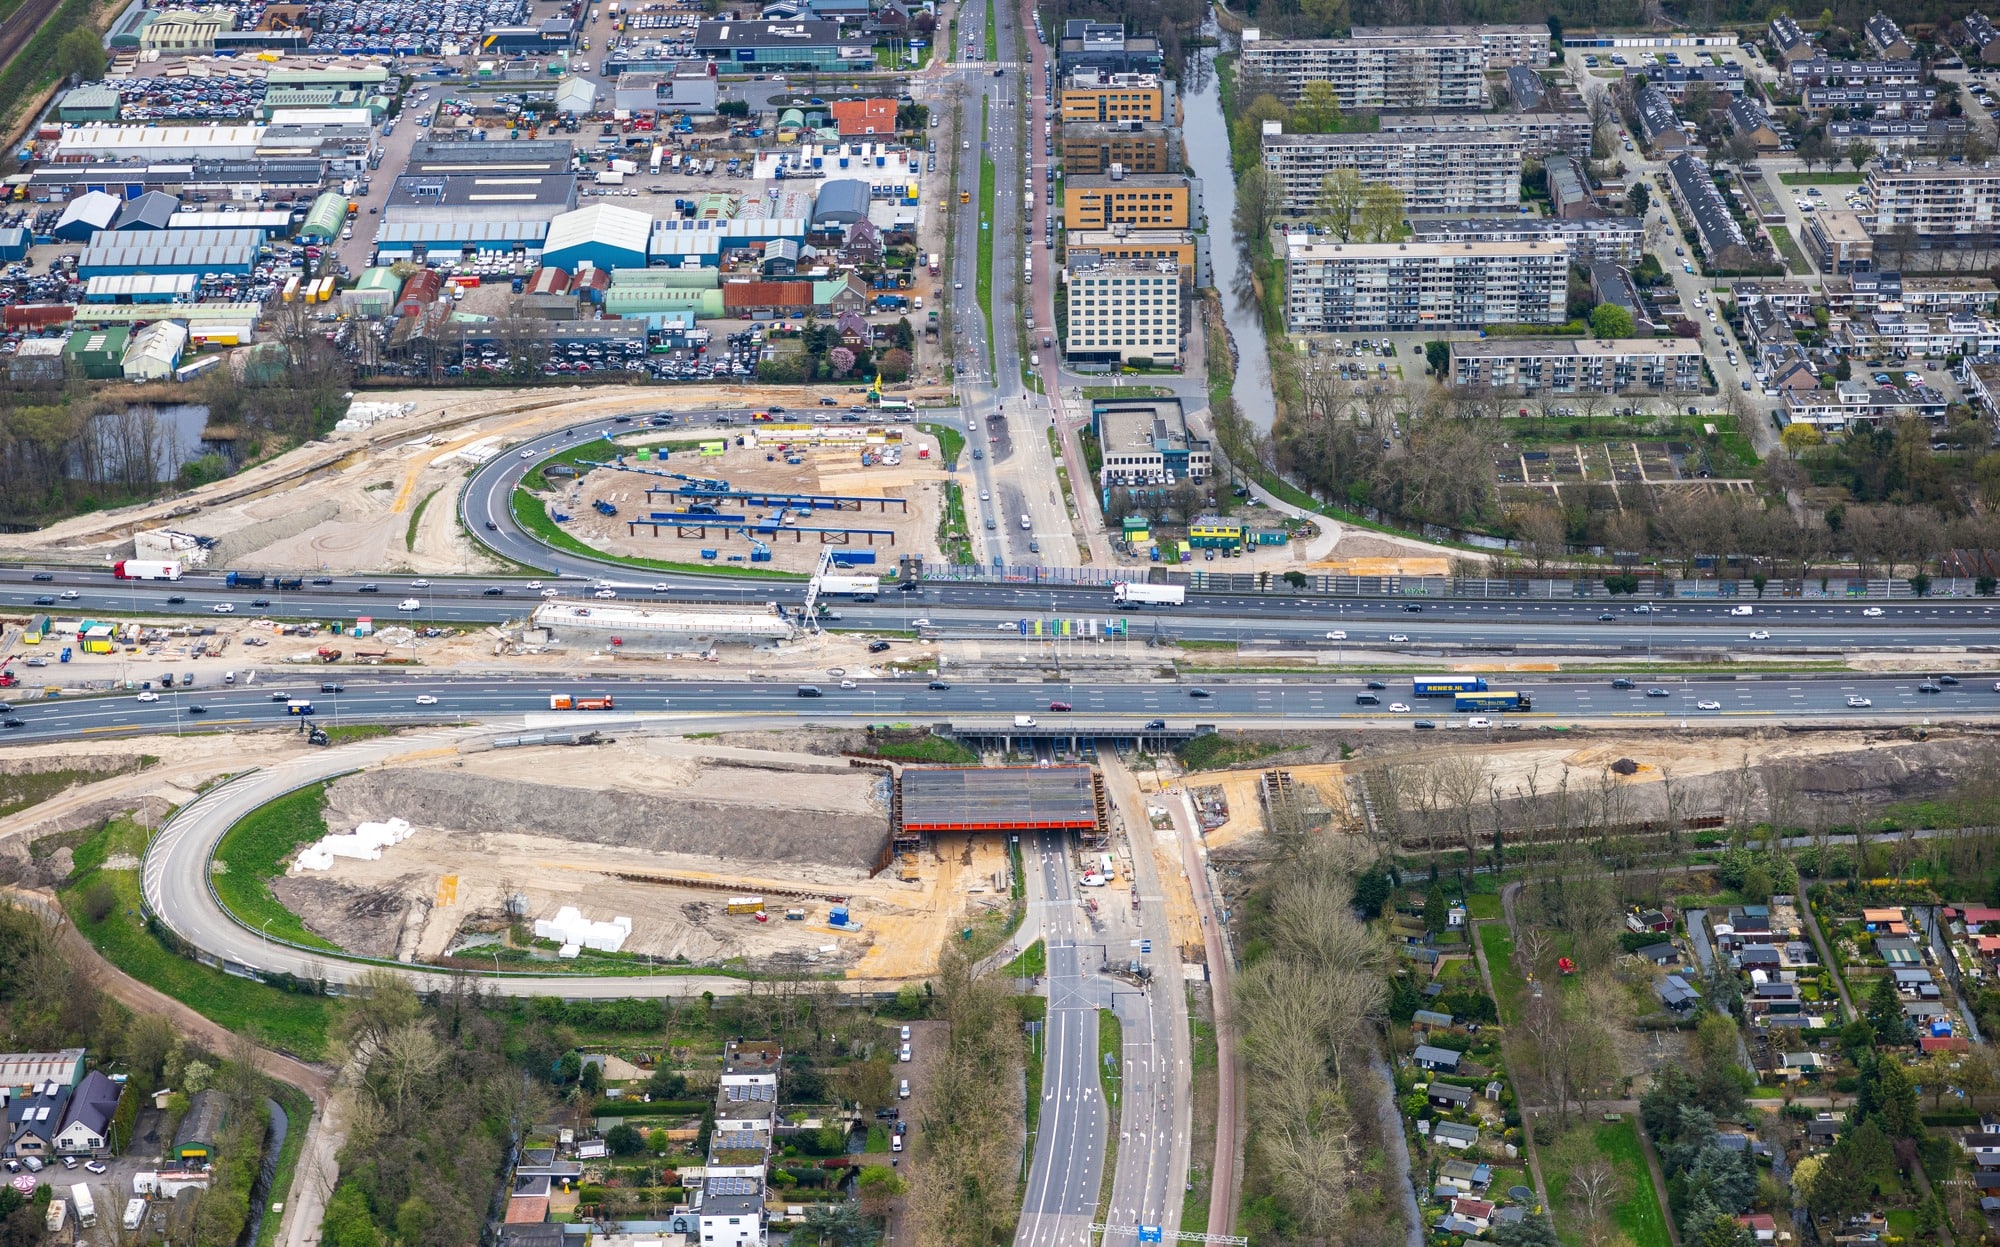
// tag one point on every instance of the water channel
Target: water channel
(1206, 134)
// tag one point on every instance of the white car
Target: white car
(660, 587)
(409, 604)
(1859, 703)
(904, 1054)
(425, 699)
(1873, 612)
(1708, 705)
(1399, 636)
(1479, 720)
(1336, 636)
(1397, 707)
(847, 684)
(224, 608)
(149, 695)
(1760, 635)
(605, 593)
(920, 623)
(420, 584)
(527, 454)
(552, 593)
(534, 584)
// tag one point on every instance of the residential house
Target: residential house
(34, 1119)
(1675, 993)
(1790, 43)
(1974, 916)
(1440, 1060)
(1654, 920)
(1763, 1226)
(1802, 1065)
(86, 1126)
(1660, 954)
(1465, 1175)
(1452, 1134)
(1886, 37)
(1659, 124)
(1982, 38)
(528, 1200)
(1822, 1131)
(1853, 403)
(1748, 118)
(1915, 981)
(1446, 1095)
(1477, 1211)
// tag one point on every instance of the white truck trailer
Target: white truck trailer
(1129, 595)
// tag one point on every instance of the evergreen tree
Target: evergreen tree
(1434, 910)
(1885, 1013)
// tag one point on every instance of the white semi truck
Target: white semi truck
(1129, 595)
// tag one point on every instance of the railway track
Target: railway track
(21, 26)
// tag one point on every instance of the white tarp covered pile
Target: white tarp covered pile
(363, 415)
(365, 844)
(570, 927)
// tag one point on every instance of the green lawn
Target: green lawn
(1794, 259)
(1507, 983)
(1821, 179)
(1484, 907)
(929, 749)
(292, 1022)
(253, 852)
(951, 442)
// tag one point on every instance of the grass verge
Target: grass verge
(298, 1115)
(1110, 1067)
(1200, 1180)
(1033, 1009)
(951, 443)
(1508, 985)
(1789, 250)
(1820, 179)
(294, 1023)
(416, 518)
(1218, 752)
(531, 514)
(347, 733)
(929, 749)
(253, 853)
(1034, 960)
(988, 184)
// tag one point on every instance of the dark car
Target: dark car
(493, 592)
(1156, 725)
(281, 695)
(1658, 692)
(367, 589)
(1198, 692)
(45, 601)
(44, 576)
(1424, 725)
(491, 527)
(197, 709)
(1377, 685)
(829, 402)
(622, 420)
(1622, 682)
(329, 687)
(260, 602)
(939, 686)
(1413, 607)
(1605, 618)
(1060, 705)
(322, 580)
(12, 723)
(1947, 679)
(877, 647)
(908, 586)
(1929, 686)
(176, 600)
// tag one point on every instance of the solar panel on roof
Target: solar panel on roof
(732, 1186)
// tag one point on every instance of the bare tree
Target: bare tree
(1596, 1187)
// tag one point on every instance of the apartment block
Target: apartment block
(1333, 287)
(1851, 404)
(1595, 240)
(1437, 173)
(1865, 293)
(1577, 366)
(1122, 243)
(1941, 204)
(1145, 201)
(1123, 311)
(1094, 95)
(1105, 45)
(1961, 333)
(1822, 71)
(1504, 46)
(1840, 241)
(1541, 133)
(1887, 101)
(1432, 72)
(1092, 147)
(1894, 137)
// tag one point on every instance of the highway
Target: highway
(1101, 709)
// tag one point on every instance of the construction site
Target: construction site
(779, 500)
(699, 852)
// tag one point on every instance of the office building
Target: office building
(1146, 201)
(1435, 72)
(1334, 287)
(1145, 442)
(1122, 311)
(1504, 46)
(1939, 205)
(1694, 191)
(1092, 147)
(1579, 365)
(1437, 173)
(1123, 243)
(1105, 46)
(1093, 95)
(1613, 240)
(1542, 133)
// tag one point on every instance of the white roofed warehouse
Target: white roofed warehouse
(600, 236)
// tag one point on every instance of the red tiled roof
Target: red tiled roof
(1945, 1043)
(860, 117)
(527, 1209)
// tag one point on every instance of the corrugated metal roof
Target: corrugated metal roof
(464, 231)
(605, 224)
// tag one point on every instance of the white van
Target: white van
(1742, 610)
